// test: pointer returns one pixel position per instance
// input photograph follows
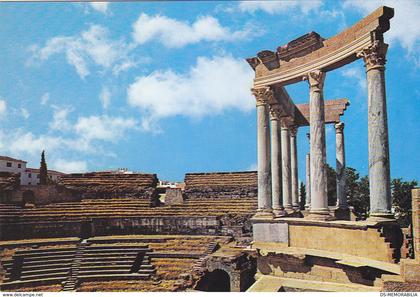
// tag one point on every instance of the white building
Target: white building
(28, 176)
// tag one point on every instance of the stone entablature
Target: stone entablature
(333, 110)
(337, 51)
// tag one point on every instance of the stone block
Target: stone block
(410, 270)
(271, 232)
(173, 197)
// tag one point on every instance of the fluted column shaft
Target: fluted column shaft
(286, 170)
(294, 167)
(319, 199)
(263, 140)
(276, 174)
(379, 167)
(340, 166)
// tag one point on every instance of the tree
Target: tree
(302, 193)
(43, 171)
(331, 186)
(357, 193)
(401, 200)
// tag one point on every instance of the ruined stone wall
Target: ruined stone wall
(221, 185)
(112, 226)
(111, 185)
(9, 182)
(45, 194)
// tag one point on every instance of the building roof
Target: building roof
(36, 170)
(6, 158)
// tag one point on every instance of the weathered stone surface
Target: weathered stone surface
(340, 166)
(319, 199)
(300, 46)
(9, 181)
(269, 232)
(333, 109)
(108, 185)
(221, 185)
(378, 143)
(276, 175)
(173, 196)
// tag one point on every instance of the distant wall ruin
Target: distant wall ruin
(221, 185)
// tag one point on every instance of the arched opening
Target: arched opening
(86, 230)
(215, 281)
(28, 198)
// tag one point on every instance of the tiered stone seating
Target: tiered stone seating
(127, 207)
(37, 266)
(221, 185)
(9, 181)
(108, 184)
(121, 259)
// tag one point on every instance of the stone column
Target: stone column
(308, 177)
(379, 171)
(286, 170)
(276, 180)
(319, 199)
(340, 166)
(294, 167)
(308, 182)
(263, 96)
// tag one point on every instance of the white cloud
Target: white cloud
(91, 46)
(45, 98)
(274, 7)
(102, 7)
(105, 97)
(68, 166)
(210, 87)
(60, 121)
(356, 73)
(26, 142)
(103, 127)
(3, 106)
(24, 112)
(404, 25)
(173, 33)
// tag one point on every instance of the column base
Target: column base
(320, 215)
(277, 212)
(342, 213)
(307, 206)
(381, 217)
(263, 214)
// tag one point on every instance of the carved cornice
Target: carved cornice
(293, 131)
(316, 80)
(339, 127)
(263, 95)
(336, 51)
(374, 55)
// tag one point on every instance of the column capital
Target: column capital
(263, 95)
(293, 130)
(274, 112)
(339, 127)
(286, 123)
(316, 80)
(374, 55)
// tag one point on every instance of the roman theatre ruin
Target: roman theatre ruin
(229, 231)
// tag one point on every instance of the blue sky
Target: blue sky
(164, 87)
